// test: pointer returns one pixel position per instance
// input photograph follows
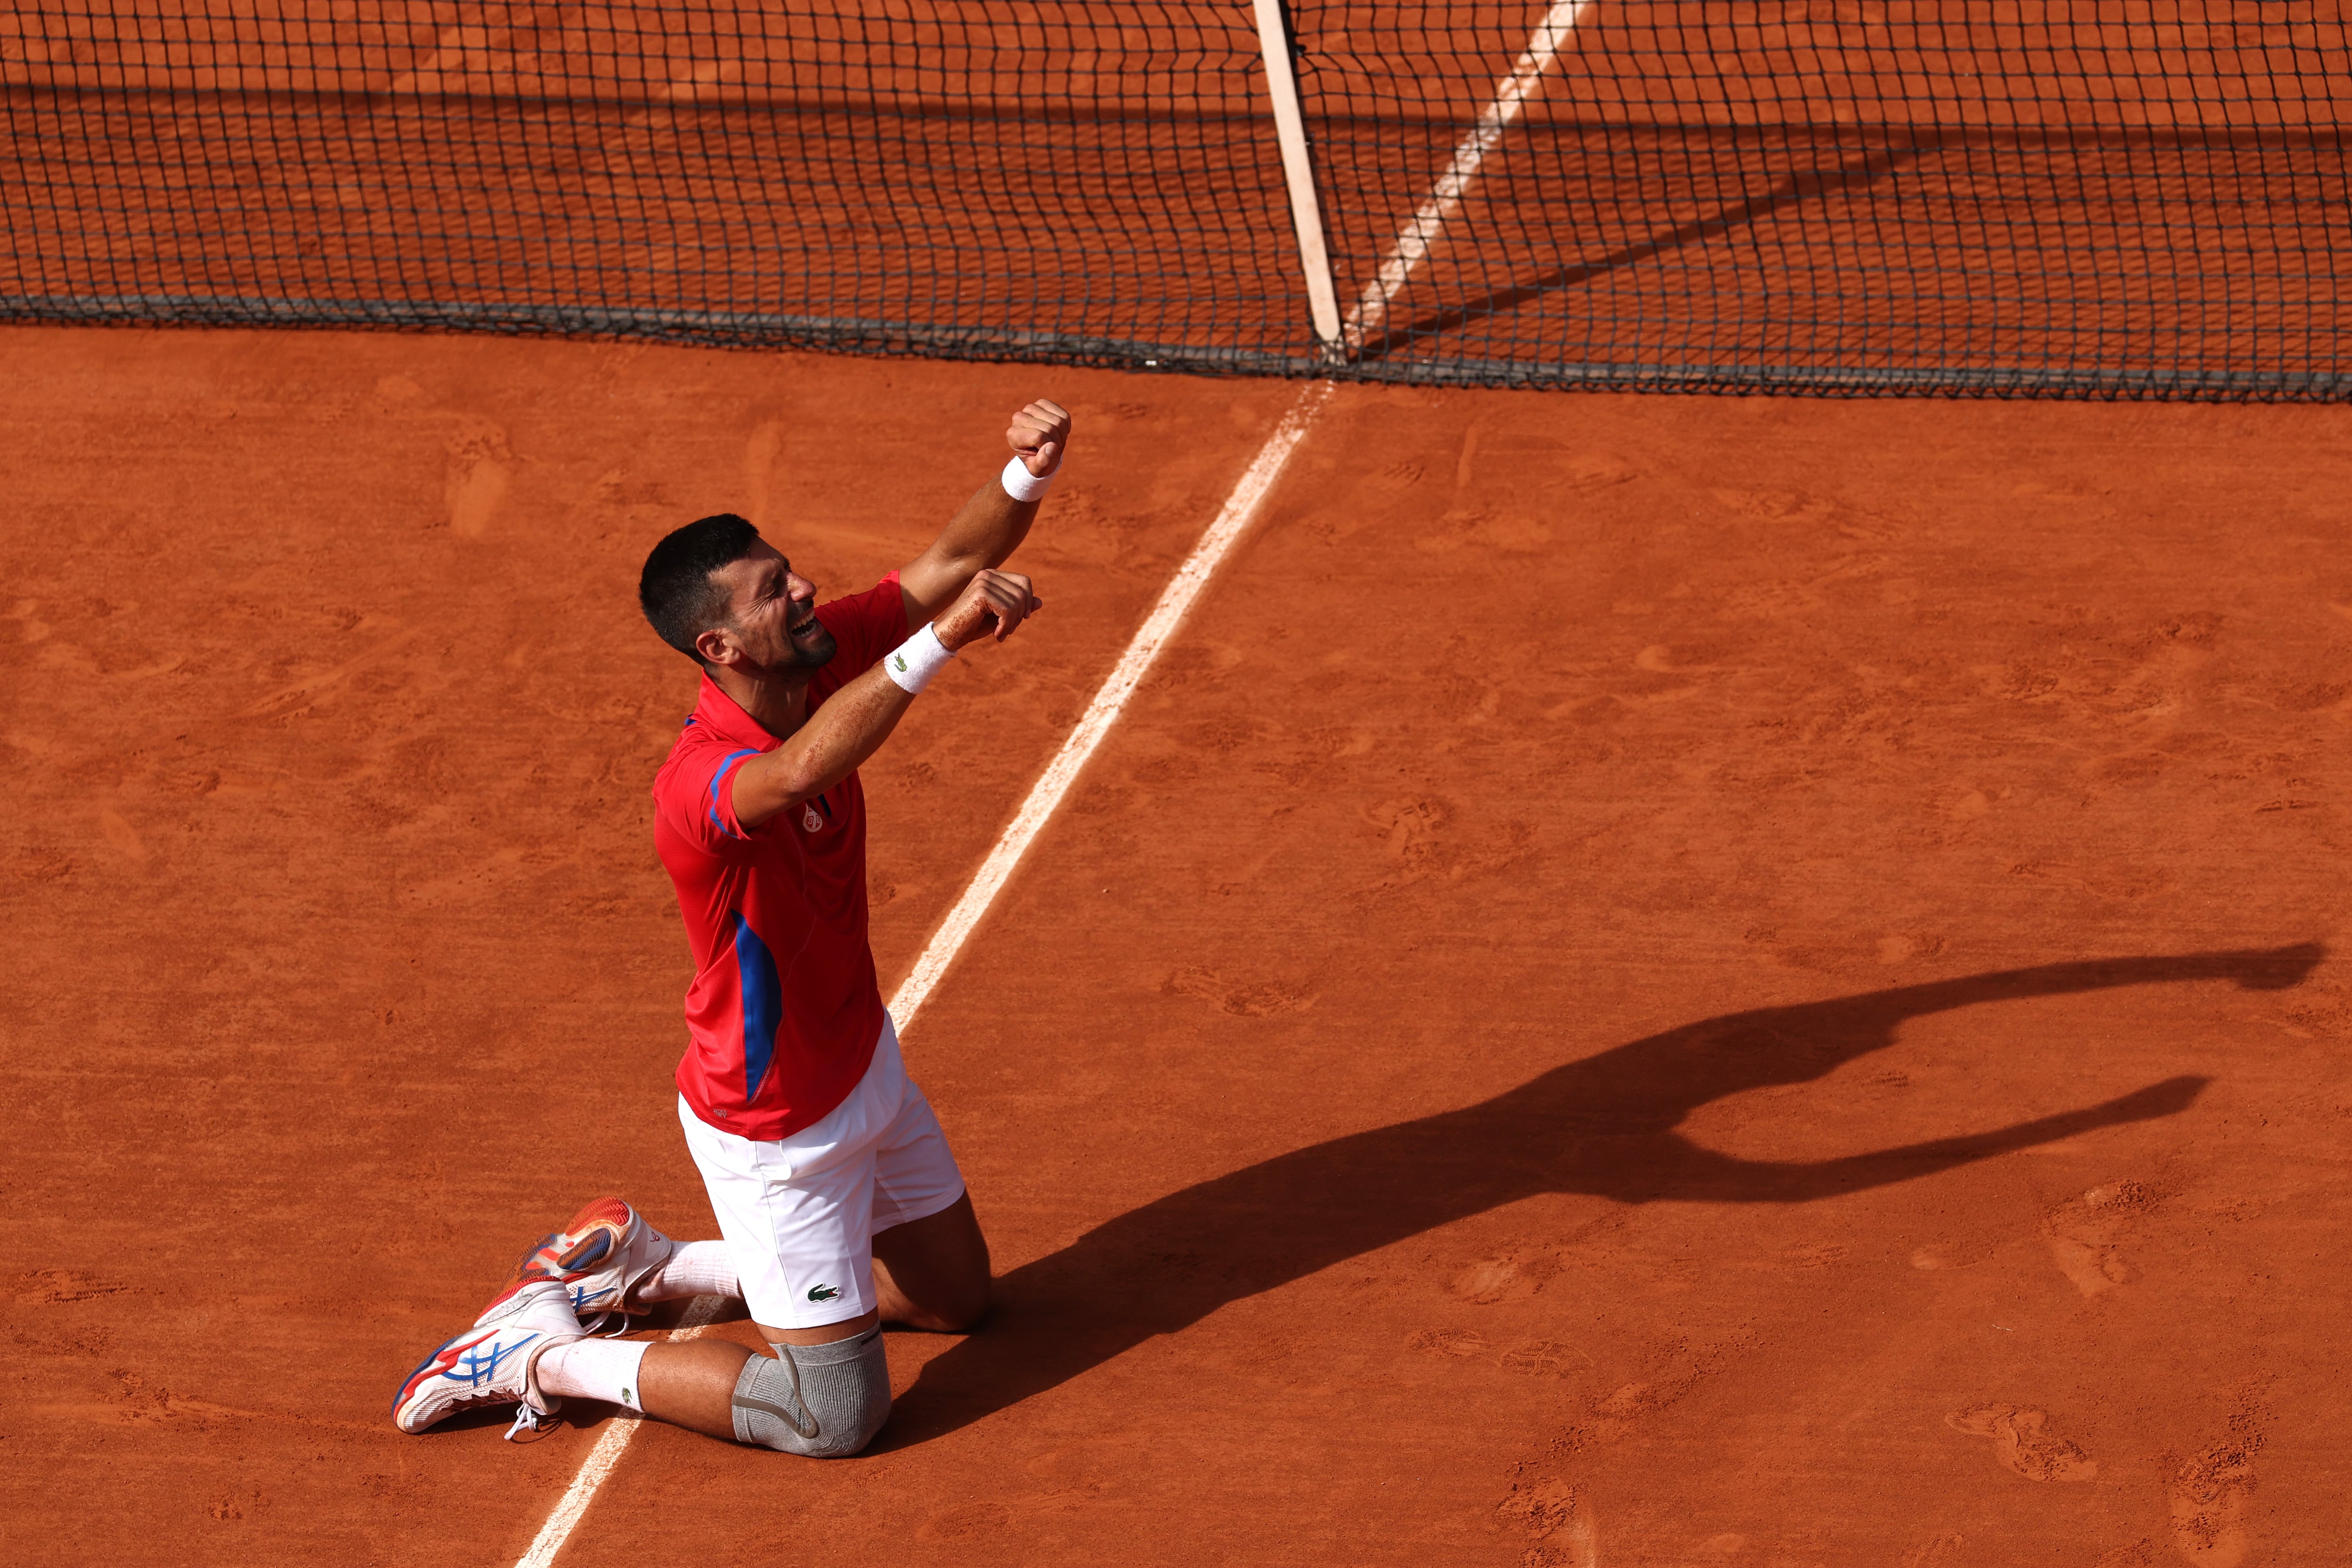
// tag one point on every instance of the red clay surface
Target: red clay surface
(1649, 982)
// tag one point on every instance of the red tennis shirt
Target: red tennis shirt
(784, 1011)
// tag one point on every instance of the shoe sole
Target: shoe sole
(594, 1235)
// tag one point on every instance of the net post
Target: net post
(1299, 173)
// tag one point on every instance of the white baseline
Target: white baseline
(1177, 598)
(603, 1456)
(1110, 698)
(1414, 240)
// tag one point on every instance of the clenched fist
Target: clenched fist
(1040, 434)
(992, 604)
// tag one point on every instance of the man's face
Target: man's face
(772, 612)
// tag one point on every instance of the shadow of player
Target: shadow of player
(1603, 1126)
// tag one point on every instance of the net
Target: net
(2010, 195)
(1081, 185)
(2136, 197)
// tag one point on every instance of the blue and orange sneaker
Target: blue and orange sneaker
(599, 1258)
(490, 1363)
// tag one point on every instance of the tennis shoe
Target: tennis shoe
(599, 1257)
(490, 1363)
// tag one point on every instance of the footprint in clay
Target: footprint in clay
(2208, 1495)
(2022, 1441)
(479, 472)
(1558, 1517)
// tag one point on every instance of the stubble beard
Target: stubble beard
(815, 655)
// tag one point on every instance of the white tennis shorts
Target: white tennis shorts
(800, 1213)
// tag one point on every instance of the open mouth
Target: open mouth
(800, 628)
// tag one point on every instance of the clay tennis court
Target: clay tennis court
(1647, 981)
(1652, 981)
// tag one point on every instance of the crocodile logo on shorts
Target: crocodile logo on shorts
(824, 1293)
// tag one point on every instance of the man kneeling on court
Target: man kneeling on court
(839, 1202)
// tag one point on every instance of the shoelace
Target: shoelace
(526, 1420)
(606, 1323)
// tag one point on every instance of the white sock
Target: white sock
(593, 1368)
(695, 1268)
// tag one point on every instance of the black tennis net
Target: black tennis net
(2138, 197)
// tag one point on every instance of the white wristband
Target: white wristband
(912, 664)
(1020, 484)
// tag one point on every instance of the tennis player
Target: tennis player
(839, 1203)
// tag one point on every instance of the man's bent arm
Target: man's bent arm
(854, 720)
(992, 524)
(837, 738)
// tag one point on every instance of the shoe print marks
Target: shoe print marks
(1449, 1344)
(1671, 1370)
(480, 468)
(2206, 1493)
(2091, 1268)
(1240, 999)
(2022, 1441)
(1901, 947)
(1409, 829)
(1546, 1358)
(1529, 1358)
(1492, 531)
(1947, 1252)
(1820, 1256)
(1557, 1517)
(1564, 467)
(2208, 1498)
(1506, 1279)
(2082, 1234)
(60, 1286)
(1416, 833)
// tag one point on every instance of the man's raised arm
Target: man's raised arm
(993, 523)
(854, 723)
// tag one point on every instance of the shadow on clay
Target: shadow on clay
(1803, 185)
(1603, 1126)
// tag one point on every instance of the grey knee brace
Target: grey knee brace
(824, 1401)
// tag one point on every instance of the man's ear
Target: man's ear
(718, 645)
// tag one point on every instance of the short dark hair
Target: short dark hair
(675, 590)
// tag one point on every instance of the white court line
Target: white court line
(1149, 639)
(1044, 797)
(1416, 239)
(604, 1454)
